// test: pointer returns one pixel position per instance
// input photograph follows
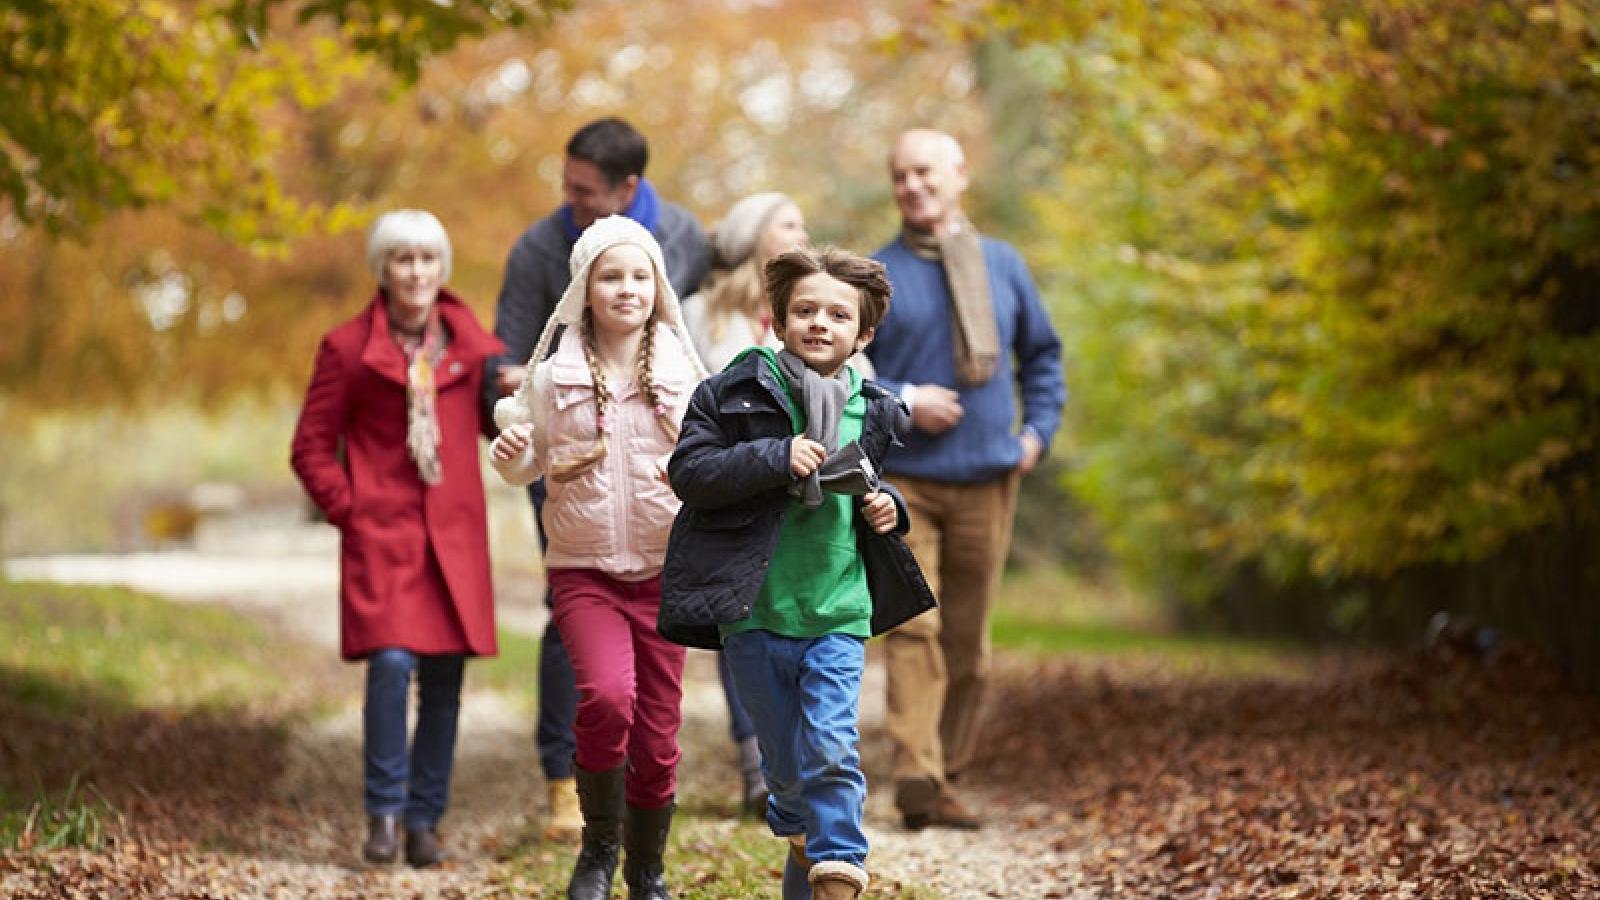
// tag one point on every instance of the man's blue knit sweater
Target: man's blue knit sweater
(915, 344)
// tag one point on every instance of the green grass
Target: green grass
(515, 671)
(66, 642)
(71, 818)
(77, 663)
(1047, 612)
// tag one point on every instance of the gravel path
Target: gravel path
(497, 790)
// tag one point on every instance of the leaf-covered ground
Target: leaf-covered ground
(1435, 775)
(1431, 776)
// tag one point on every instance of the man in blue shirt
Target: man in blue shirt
(966, 337)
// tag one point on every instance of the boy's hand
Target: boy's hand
(661, 469)
(511, 442)
(880, 511)
(805, 455)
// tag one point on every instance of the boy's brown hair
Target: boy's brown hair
(867, 276)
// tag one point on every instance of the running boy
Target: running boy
(787, 552)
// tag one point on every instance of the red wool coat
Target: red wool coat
(414, 560)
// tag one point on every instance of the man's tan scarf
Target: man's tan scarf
(972, 308)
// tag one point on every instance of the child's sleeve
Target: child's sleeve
(523, 469)
(708, 470)
(527, 407)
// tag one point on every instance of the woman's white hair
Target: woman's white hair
(406, 228)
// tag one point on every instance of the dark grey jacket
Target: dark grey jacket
(731, 470)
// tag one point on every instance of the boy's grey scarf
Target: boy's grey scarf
(846, 470)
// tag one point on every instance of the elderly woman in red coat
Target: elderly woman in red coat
(398, 387)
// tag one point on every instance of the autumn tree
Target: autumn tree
(150, 305)
(107, 105)
(1327, 270)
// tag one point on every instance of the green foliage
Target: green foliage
(107, 105)
(55, 497)
(1326, 272)
(401, 33)
(1051, 612)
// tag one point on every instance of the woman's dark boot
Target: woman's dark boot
(600, 798)
(645, 834)
(383, 839)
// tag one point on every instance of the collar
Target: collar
(468, 341)
(645, 209)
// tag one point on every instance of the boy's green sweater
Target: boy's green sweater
(815, 583)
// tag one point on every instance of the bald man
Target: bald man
(965, 338)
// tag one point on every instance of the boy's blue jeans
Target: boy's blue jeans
(804, 695)
(416, 783)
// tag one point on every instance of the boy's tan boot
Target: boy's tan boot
(565, 820)
(836, 880)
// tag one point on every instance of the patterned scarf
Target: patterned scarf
(977, 342)
(422, 415)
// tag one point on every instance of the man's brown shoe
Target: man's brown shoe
(916, 798)
(946, 812)
(383, 839)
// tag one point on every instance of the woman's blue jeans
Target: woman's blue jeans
(804, 696)
(416, 784)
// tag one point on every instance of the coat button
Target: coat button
(455, 368)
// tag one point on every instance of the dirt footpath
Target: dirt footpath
(302, 838)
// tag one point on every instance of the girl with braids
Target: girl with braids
(598, 419)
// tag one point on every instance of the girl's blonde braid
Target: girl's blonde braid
(572, 467)
(647, 382)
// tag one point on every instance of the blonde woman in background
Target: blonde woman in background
(730, 311)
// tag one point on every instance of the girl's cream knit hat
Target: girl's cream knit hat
(596, 239)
